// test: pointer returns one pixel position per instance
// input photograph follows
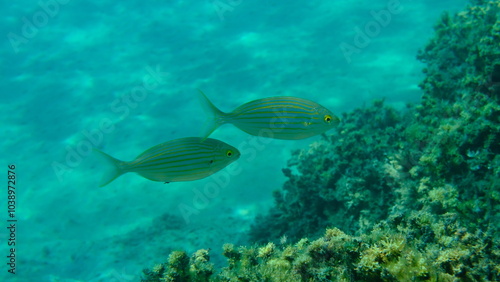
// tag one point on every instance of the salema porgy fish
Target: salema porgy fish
(284, 117)
(182, 159)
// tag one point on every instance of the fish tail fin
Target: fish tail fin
(216, 119)
(113, 170)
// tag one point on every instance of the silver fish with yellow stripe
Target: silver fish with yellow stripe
(284, 117)
(183, 159)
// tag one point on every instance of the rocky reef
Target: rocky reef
(403, 195)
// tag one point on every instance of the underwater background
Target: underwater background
(408, 187)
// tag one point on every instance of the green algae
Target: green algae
(382, 255)
(412, 195)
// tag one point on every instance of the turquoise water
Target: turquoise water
(124, 77)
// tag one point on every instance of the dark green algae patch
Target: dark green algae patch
(403, 195)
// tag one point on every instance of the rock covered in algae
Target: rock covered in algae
(382, 255)
(441, 157)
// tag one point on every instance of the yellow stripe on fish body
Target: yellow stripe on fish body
(182, 159)
(284, 117)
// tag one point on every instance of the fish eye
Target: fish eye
(327, 118)
(229, 153)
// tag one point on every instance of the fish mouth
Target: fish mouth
(335, 119)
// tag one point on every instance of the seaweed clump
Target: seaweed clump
(415, 193)
(382, 255)
(180, 267)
